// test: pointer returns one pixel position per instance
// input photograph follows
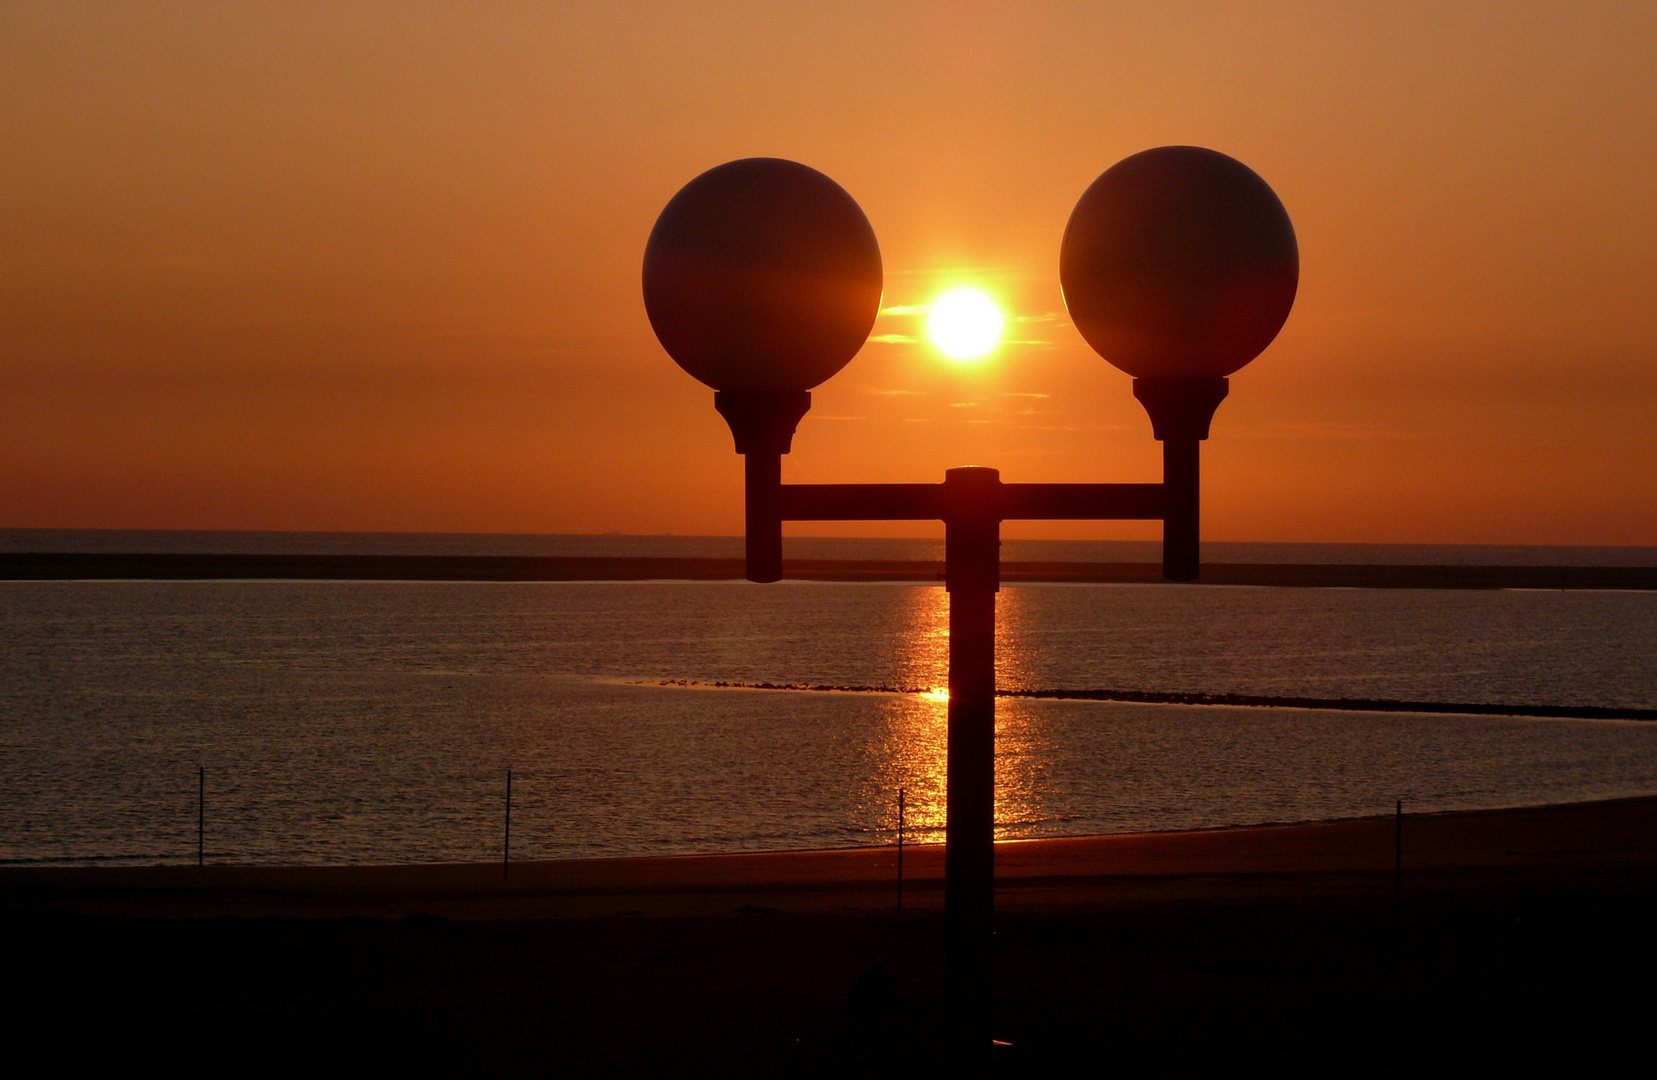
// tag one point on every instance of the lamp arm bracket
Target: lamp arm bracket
(935, 502)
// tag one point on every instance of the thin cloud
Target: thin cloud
(1325, 429)
(945, 272)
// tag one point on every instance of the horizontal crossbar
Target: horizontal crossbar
(927, 502)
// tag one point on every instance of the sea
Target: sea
(340, 722)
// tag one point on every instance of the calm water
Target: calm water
(356, 722)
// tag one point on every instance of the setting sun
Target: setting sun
(964, 324)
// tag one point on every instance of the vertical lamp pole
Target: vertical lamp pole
(762, 278)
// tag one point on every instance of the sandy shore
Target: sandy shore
(1524, 943)
(1595, 837)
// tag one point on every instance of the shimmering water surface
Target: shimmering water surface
(358, 722)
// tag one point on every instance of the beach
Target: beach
(1516, 934)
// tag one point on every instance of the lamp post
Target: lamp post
(762, 278)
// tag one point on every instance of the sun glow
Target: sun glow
(964, 324)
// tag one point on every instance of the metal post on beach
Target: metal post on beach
(506, 841)
(1398, 864)
(201, 814)
(900, 850)
(972, 576)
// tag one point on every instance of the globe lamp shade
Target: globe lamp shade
(762, 275)
(1179, 262)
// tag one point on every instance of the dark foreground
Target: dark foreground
(1526, 942)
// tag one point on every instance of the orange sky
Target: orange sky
(332, 266)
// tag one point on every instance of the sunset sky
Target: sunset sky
(377, 267)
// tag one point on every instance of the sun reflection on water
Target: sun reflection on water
(910, 753)
(913, 748)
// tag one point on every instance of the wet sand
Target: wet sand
(1282, 859)
(1525, 939)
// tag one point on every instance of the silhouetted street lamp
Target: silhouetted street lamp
(762, 278)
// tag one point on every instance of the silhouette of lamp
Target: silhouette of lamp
(1179, 265)
(762, 278)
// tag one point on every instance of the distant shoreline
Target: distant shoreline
(73, 566)
(901, 549)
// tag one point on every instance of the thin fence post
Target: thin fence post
(201, 815)
(1398, 864)
(506, 843)
(900, 849)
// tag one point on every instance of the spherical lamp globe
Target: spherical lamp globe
(762, 275)
(1179, 263)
